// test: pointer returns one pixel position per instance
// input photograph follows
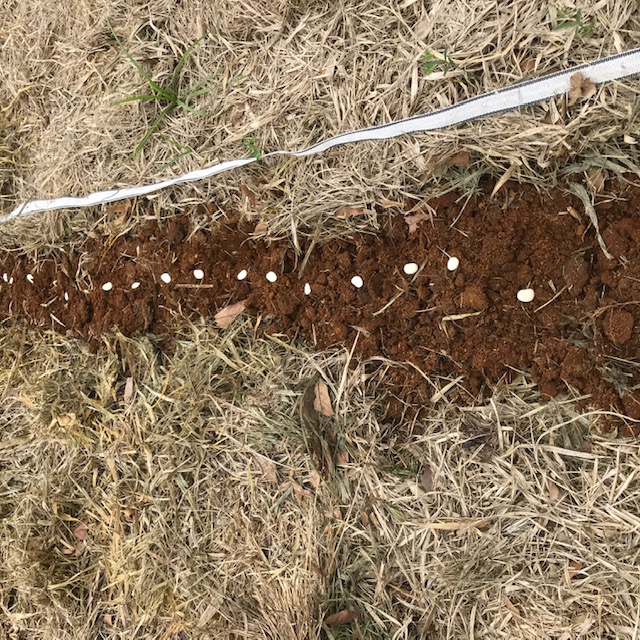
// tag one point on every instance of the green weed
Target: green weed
(169, 96)
(431, 63)
(583, 28)
(250, 144)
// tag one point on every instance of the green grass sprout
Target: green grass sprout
(169, 96)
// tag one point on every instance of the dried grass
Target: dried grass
(198, 497)
(292, 73)
(204, 514)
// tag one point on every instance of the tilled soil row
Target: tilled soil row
(582, 329)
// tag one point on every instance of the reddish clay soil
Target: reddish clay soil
(581, 331)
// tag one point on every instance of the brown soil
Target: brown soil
(582, 330)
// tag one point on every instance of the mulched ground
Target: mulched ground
(582, 330)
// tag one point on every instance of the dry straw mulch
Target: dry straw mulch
(184, 503)
(290, 74)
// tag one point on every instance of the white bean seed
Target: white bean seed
(357, 282)
(526, 295)
(271, 276)
(243, 274)
(166, 278)
(453, 263)
(135, 285)
(30, 277)
(198, 274)
(307, 289)
(411, 268)
(107, 286)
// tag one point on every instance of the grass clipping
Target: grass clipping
(152, 497)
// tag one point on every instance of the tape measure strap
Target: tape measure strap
(609, 69)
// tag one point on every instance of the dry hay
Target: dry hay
(188, 503)
(194, 509)
(291, 73)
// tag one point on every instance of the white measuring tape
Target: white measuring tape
(607, 69)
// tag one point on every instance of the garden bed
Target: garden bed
(581, 331)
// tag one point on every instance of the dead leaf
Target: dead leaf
(512, 607)
(426, 479)
(315, 479)
(80, 532)
(119, 208)
(267, 469)
(342, 458)
(262, 229)
(528, 65)
(227, 315)
(108, 619)
(461, 159)
(555, 493)
(350, 212)
(128, 392)
(595, 179)
(308, 414)
(66, 420)
(422, 28)
(251, 197)
(580, 89)
(346, 616)
(573, 570)
(322, 401)
(364, 518)
(300, 492)
(415, 219)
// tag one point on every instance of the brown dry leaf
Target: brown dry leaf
(128, 392)
(227, 315)
(342, 458)
(364, 518)
(580, 89)
(426, 479)
(575, 90)
(350, 212)
(422, 27)
(555, 493)
(415, 219)
(251, 197)
(512, 607)
(262, 229)
(119, 208)
(322, 401)
(460, 159)
(573, 570)
(300, 492)
(267, 469)
(80, 532)
(66, 420)
(108, 619)
(315, 479)
(528, 65)
(346, 616)
(595, 179)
